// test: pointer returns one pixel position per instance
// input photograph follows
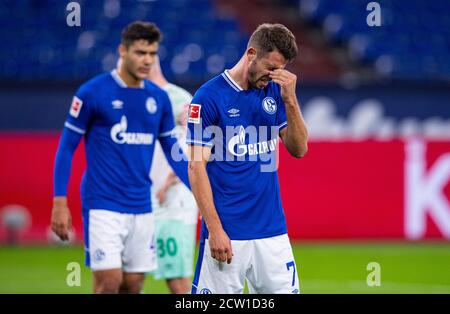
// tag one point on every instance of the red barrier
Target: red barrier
(26, 168)
(357, 190)
(339, 190)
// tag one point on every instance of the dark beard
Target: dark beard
(251, 82)
(251, 85)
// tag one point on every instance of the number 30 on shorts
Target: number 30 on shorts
(169, 247)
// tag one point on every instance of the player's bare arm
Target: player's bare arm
(295, 135)
(219, 241)
(171, 179)
(61, 220)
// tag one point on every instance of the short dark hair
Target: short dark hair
(141, 30)
(270, 37)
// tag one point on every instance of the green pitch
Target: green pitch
(322, 267)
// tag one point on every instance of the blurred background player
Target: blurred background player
(174, 206)
(120, 115)
(243, 218)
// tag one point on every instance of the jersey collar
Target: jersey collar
(226, 75)
(119, 80)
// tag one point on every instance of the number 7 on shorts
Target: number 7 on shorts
(288, 266)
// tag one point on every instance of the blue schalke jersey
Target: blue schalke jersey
(120, 127)
(242, 128)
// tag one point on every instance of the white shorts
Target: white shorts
(267, 264)
(117, 240)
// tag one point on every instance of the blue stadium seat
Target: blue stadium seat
(37, 43)
(415, 33)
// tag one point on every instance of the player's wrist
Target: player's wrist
(215, 229)
(60, 201)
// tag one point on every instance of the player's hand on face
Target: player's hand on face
(61, 220)
(220, 246)
(286, 80)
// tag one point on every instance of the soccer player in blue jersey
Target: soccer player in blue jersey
(234, 123)
(120, 115)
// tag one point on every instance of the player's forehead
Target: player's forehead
(274, 59)
(144, 45)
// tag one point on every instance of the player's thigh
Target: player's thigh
(175, 246)
(274, 270)
(107, 230)
(212, 276)
(139, 251)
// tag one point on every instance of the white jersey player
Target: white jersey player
(175, 209)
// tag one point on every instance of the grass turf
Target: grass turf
(322, 268)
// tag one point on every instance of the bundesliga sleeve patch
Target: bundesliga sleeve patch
(75, 108)
(194, 113)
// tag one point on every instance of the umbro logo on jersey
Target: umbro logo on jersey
(117, 104)
(75, 108)
(233, 113)
(194, 113)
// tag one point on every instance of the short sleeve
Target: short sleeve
(202, 119)
(167, 123)
(81, 111)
